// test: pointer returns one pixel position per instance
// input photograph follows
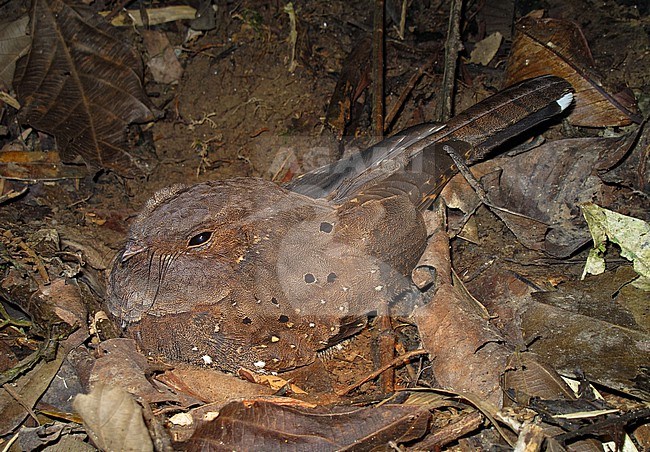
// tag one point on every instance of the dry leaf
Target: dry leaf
(113, 419)
(14, 43)
(163, 64)
(558, 47)
(477, 359)
(486, 49)
(596, 328)
(267, 426)
(81, 83)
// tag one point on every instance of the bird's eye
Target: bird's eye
(200, 239)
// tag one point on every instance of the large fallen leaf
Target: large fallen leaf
(81, 83)
(14, 43)
(632, 235)
(468, 354)
(596, 328)
(113, 419)
(120, 364)
(558, 47)
(547, 185)
(262, 425)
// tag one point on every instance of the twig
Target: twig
(293, 35)
(478, 189)
(390, 117)
(12, 194)
(453, 45)
(485, 407)
(467, 174)
(21, 402)
(605, 424)
(402, 20)
(378, 70)
(386, 349)
(400, 359)
(40, 266)
(116, 10)
(451, 432)
(11, 441)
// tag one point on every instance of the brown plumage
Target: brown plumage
(243, 272)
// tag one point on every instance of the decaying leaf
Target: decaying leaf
(527, 376)
(163, 63)
(596, 328)
(477, 359)
(113, 419)
(558, 47)
(545, 186)
(14, 43)
(486, 49)
(632, 235)
(121, 365)
(262, 425)
(81, 83)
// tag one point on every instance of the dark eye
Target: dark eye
(200, 239)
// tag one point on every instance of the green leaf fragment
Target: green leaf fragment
(632, 235)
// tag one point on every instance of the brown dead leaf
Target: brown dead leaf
(14, 43)
(210, 385)
(546, 186)
(267, 426)
(121, 365)
(595, 327)
(81, 83)
(163, 64)
(527, 376)
(558, 47)
(273, 381)
(113, 419)
(478, 356)
(486, 49)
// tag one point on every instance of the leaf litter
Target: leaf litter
(524, 306)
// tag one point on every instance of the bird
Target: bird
(245, 273)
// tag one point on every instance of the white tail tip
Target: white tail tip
(565, 101)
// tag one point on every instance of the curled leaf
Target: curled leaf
(558, 47)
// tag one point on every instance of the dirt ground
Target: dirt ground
(238, 110)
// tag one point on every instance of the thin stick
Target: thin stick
(378, 70)
(452, 47)
(390, 117)
(462, 426)
(21, 402)
(478, 188)
(400, 359)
